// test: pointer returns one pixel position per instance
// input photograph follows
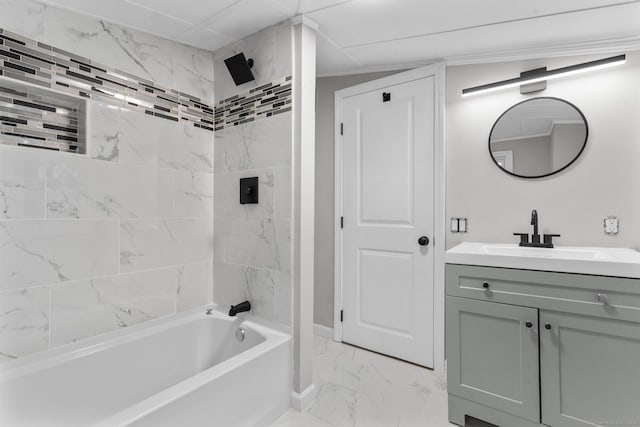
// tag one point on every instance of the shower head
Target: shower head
(240, 68)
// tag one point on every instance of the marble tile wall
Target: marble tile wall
(124, 234)
(93, 243)
(27, 111)
(161, 61)
(271, 49)
(252, 243)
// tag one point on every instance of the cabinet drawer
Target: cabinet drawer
(582, 294)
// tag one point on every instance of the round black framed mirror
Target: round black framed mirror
(538, 137)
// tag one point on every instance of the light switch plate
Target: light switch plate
(459, 225)
(611, 225)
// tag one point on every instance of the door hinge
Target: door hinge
(341, 222)
(341, 315)
(341, 128)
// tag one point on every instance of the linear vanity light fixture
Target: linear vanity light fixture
(542, 75)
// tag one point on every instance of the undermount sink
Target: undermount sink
(617, 262)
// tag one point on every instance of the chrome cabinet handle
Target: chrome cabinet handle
(485, 285)
(548, 326)
(603, 298)
(528, 324)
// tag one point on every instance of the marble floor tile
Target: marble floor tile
(358, 388)
(293, 418)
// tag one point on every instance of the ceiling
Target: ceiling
(371, 35)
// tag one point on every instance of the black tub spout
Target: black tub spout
(239, 308)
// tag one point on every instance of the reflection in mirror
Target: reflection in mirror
(538, 137)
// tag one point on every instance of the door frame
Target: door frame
(438, 239)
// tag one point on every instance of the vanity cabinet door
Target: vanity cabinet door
(492, 352)
(590, 371)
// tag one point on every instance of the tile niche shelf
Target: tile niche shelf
(37, 117)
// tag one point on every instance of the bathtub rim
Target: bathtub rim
(146, 406)
(67, 352)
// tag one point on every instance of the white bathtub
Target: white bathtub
(187, 370)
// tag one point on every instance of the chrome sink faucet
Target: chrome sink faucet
(535, 237)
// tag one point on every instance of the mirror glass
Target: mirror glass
(538, 137)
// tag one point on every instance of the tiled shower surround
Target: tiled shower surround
(124, 233)
(264, 101)
(253, 242)
(49, 67)
(29, 117)
(88, 245)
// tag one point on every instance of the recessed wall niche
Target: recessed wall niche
(31, 116)
(53, 71)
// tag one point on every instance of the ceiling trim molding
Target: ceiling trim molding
(592, 47)
(305, 20)
(365, 69)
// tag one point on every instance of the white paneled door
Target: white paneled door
(387, 152)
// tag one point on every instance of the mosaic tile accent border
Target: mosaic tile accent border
(33, 62)
(260, 102)
(32, 117)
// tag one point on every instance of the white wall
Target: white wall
(325, 173)
(604, 181)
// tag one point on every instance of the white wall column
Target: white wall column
(304, 104)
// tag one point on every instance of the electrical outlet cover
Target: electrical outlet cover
(611, 225)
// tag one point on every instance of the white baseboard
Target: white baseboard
(299, 401)
(323, 331)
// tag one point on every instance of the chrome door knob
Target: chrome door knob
(603, 298)
(423, 241)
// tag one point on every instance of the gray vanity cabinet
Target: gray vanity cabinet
(496, 355)
(532, 348)
(590, 371)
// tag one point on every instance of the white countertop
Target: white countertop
(618, 262)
